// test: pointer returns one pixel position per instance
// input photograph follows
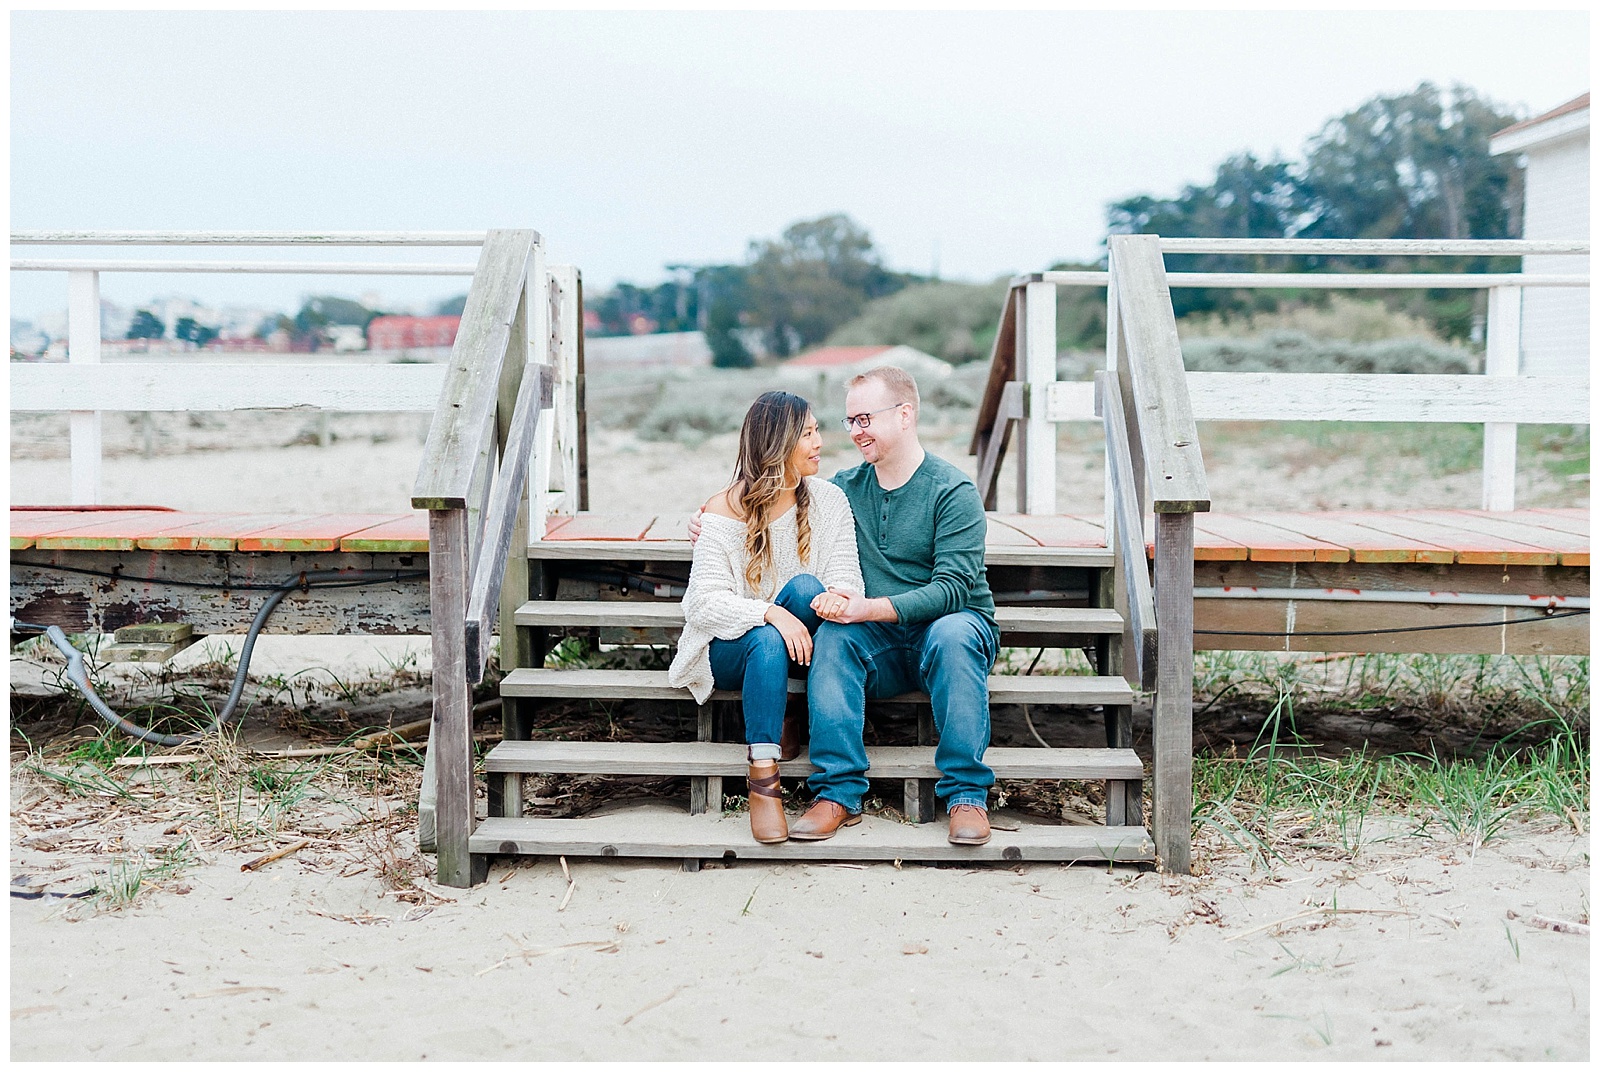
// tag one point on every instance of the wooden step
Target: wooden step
(652, 685)
(662, 614)
(653, 832)
(712, 759)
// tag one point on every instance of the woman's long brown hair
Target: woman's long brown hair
(772, 429)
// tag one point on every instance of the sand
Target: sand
(1422, 961)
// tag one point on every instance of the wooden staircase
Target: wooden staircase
(700, 830)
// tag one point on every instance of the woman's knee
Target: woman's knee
(767, 649)
(801, 590)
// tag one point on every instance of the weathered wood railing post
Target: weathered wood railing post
(1161, 424)
(1502, 357)
(454, 482)
(83, 348)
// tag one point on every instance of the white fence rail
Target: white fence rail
(85, 388)
(1500, 399)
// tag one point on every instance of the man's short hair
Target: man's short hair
(902, 388)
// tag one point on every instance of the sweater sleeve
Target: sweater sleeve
(840, 562)
(712, 601)
(958, 539)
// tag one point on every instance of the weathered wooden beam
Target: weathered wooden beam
(1173, 713)
(1002, 366)
(467, 401)
(450, 745)
(134, 589)
(1139, 602)
(992, 451)
(1160, 395)
(533, 399)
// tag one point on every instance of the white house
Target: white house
(1555, 151)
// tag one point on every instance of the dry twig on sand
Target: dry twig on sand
(277, 854)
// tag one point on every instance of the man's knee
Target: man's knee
(836, 644)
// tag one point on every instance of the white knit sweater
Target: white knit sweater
(720, 605)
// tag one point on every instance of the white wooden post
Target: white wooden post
(540, 305)
(564, 278)
(83, 348)
(1502, 358)
(1037, 360)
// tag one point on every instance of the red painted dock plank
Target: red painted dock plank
(669, 527)
(1573, 549)
(605, 527)
(407, 533)
(1472, 545)
(321, 532)
(102, 531)
(1366, 542)
(1267, 542)
(208, 532)
(1056, 530)
(1572, 519)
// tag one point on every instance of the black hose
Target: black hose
(76, 674)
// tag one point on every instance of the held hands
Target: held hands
(796, 637)
(846, 608)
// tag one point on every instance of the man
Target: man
(924, 623)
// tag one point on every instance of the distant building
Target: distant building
(1555, 149)
(853, 360)
(411, 332)
(671, 349)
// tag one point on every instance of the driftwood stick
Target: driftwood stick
(1319, 912)
(1560, 926)
(277, 854)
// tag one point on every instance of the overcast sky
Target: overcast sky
(992, 142)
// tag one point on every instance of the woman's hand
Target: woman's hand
(796, 637)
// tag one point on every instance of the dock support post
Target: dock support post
(83, 348)
(920, 806)
(450, 743)
(1124, 799)
(1174, 701)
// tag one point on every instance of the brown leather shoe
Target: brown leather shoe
(767, 822)
(969, 825)
(821, 821)
(796, 729)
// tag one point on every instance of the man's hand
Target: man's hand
(694, 526)
(796, 637)
(847, 608)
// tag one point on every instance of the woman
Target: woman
(769, 545)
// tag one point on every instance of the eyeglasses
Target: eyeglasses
(864, 420)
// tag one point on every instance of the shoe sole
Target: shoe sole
(824, 837)
(968, 841)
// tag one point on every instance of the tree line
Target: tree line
(1414, 164)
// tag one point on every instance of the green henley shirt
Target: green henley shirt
(922, 543)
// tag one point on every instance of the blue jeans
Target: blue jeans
(948, 658)
(758, 663)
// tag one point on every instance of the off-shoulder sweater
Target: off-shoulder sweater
(719, 605)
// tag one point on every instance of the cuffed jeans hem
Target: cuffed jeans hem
(979, 802)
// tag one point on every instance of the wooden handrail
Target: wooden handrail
(1130, 542)
(1165, 423)
(454, 452)
(248, 238)
(1377, 247)
(534, 396)
(1002, 369)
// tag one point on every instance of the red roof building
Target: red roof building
(411, 332)
(831, 356)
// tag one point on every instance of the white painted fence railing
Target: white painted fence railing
(1500, 399)
(85, 388)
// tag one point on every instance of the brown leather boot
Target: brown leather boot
(969, 825)
(767, 822)
(796, 729)
(821, 821)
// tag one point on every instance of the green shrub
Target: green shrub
(1295, 351)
